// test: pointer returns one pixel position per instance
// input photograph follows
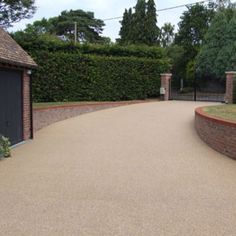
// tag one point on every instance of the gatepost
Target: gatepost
(229, 86)
(165, 89)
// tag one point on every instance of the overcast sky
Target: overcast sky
(103, 9)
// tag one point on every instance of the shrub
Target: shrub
(4, 147)
(73, 76)
(80, 72)
(53, 44)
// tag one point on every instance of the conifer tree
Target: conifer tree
(139, 28)
(152, 29)
(124, 28)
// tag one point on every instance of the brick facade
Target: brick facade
(26, 103)
(218, 134)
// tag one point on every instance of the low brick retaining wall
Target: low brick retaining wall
(217, 133)
(46, 116)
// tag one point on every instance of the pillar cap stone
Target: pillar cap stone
(231, 72)
(168, 74)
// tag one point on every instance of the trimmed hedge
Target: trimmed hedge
(53, 44)
(73, 76)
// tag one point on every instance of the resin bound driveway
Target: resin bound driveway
(133, 170)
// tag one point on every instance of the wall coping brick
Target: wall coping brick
(217, 133)
(199, 111)
(91, 105)
(47, 116)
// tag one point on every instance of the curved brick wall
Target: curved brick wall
(217, 133)
(46, 116)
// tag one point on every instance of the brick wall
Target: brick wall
(218, 134)
(25, 98)
(46, 116)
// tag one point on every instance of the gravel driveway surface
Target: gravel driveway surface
(133, 170)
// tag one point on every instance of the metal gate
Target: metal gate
(199, 90)
(11, 120)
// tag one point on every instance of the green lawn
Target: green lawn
(227, 112)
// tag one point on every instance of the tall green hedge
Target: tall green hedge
(73, 76)
(53, 44)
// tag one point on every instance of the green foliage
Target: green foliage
(126, 28)
(89, 28)
(190, 72)
(52, 44)
(194, 25)
(226, 58)
(218, 52)
(14, 10)
(167, 34)
(140, 27)
(152, 31)
(67, 76)
(4, 147)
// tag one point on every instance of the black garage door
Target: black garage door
(11, 120)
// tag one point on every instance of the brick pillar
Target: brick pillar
(26, 106)
(229, 86)
(165, 83)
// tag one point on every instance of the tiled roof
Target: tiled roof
(12, 53)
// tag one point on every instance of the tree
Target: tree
(89, 28)
(126, 27)
(194, 25)
(140, 27)
(226, 58)
(213, 43)
(12, 11)
(151, 23)
(167, 34)
(192, 28)
(138, 33)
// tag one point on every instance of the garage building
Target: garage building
(16, 121)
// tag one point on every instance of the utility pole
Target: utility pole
(75, 32)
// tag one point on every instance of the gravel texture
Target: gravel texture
(133, 170)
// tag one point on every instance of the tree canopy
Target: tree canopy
(167, 34)
(140, 26)
(218, 51)
(194, 25)
(12, 11)
(89, 28)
